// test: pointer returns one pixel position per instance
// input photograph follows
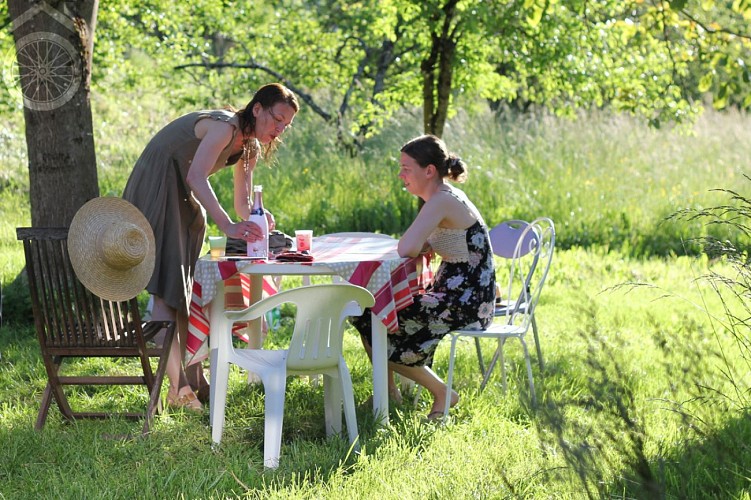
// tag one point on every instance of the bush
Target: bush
(15, 307)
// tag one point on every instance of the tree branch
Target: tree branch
(307, 98)
(714, 30)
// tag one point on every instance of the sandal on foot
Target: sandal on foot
(438, 414)
(435, 415)
(189, 401)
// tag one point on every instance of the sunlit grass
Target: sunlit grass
(603, 344)
(642, 394)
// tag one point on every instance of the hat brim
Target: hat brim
(105, 281)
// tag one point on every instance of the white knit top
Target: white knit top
(450, 244)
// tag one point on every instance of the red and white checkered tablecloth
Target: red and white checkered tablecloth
(367, 261)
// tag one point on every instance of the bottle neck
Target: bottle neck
(257, 208)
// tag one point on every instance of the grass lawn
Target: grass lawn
(642, 396)
(646, 388)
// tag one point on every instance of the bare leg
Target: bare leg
(178, 382)
(428, 379)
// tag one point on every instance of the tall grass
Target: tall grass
(623, 370)
(605, 180)
(645, 393)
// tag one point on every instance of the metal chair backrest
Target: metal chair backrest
(504, 238)
(513, 240)
(529, 268)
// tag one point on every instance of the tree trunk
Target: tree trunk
(437, 71)
(54, 42)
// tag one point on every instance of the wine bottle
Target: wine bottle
(259, 249)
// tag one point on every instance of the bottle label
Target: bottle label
(259, 249)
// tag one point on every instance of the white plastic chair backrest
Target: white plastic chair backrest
(529, 268)
(321, 312)
(317, 337)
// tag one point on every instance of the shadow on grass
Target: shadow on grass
(604, 433)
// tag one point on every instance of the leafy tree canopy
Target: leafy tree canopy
(357, 62)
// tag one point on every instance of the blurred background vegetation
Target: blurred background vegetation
(607, 116)
(591, 113)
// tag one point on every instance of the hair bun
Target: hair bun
(457, 169)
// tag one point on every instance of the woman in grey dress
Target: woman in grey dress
(170, 185)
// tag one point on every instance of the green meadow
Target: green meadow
(645, 392)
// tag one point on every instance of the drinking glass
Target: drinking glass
(217, 246)
(304, 238)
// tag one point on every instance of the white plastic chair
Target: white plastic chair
(529, 266)
(315, 347)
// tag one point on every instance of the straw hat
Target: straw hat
(111, 247)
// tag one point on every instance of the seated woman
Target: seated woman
(463, 291)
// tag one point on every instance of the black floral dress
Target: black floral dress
(462, 295)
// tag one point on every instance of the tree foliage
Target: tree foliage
(357, 62)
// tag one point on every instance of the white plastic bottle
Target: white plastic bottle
(259, 249)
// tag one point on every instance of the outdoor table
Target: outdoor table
(368, 261)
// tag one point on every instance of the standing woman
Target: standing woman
(462, 294)
(170, 185)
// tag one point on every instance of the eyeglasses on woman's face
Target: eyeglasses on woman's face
(280, 121)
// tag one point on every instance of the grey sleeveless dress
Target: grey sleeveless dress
(158, 187)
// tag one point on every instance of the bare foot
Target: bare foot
(439, 404)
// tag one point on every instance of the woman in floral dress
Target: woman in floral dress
(462, 294)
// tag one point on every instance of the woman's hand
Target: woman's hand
(244, 230)
(271, 221)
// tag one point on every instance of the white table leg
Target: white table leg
(217, 326)
(380, 371)
(255, 340)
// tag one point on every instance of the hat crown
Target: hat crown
(112, 248)
(123, 245)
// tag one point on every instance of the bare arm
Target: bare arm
(415, 238)
(215, 136)
(243, 185)
(442, 210)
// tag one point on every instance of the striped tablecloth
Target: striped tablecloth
(368, 261)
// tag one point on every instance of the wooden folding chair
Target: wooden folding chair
(72, 322)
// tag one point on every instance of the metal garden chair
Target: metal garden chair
(528, 270)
